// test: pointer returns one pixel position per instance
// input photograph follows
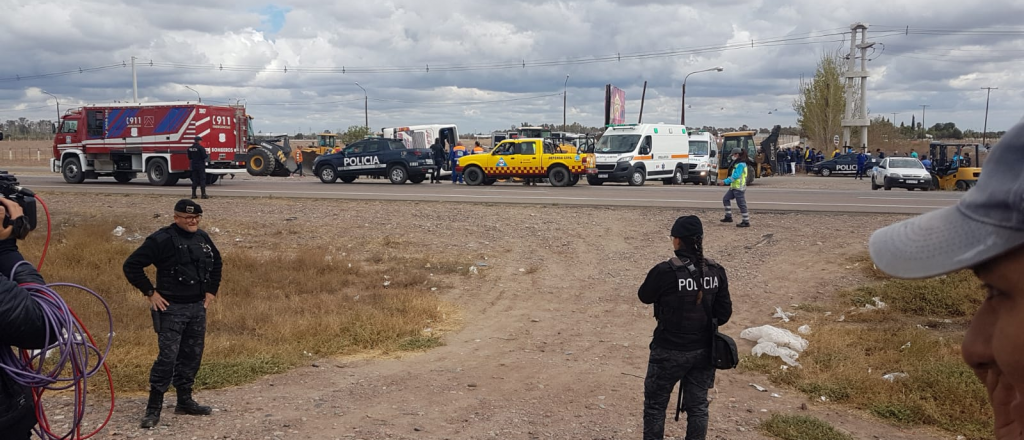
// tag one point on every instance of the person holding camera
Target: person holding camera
(687, 291)
(188, 274)
(21, 325)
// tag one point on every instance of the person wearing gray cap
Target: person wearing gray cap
(984, 232)
(197, 158)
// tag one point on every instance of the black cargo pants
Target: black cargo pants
(198, 177)
(664, 369)
(181, 333)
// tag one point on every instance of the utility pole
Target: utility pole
(856, 112)
(924, 128)
(894, 118)
(366, 106)
(135, 83)
(984, 131)
(565, 90)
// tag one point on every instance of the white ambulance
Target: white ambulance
(636, 153)
(703, 164)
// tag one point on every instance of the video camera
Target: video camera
(25, 198)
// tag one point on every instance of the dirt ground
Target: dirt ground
(554, 341)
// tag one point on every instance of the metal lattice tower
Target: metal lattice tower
(856, 114)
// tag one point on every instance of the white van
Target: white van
(423, 136)
(635, 153)
(703, 165)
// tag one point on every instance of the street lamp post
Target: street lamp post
(58, 105)
(565, 89)
(682, 119)
(366, 106)
(197, 93)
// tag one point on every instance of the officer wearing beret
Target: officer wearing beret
(685, 291)
(197, 158)
(188, 273)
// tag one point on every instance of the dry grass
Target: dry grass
(25, 153)
(801, 428)
(846, 360)
(273, 312)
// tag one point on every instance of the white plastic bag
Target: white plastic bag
(782, 315)
(777, 336)
(118, 231)
(804, 329)
(769, 348)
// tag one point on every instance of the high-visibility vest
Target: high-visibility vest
(298, 156)
(478, 150)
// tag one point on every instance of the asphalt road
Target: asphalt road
(761, 196)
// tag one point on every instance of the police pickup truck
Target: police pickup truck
(842, 165)
(375, 157)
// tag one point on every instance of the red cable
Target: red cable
(49, 231)
(37, 393)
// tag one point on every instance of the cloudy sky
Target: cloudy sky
(489, 64)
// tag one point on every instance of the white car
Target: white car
(901, 172)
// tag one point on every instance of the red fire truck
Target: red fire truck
(122, 140)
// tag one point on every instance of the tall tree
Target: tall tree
(822, 101)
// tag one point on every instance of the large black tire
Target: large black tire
(825, 172)
(212, 178)
(594, 181)
(397, 174)
(874, 186)
(419, 178)
(474, 176)
(123, 177)
(260, 162)
(677, 176)
(157, 173)
(327, 174)
(574, 180)
(638, 177)
(71, 169)
(349, 179)
(961, 185)
(559, 176)
(173, 180)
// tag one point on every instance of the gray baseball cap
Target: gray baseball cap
(986, 223)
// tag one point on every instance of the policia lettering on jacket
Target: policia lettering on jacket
(681, 347)
(188, 274)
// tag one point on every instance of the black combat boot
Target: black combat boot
(190, 407)
(205, 196)
(743, 224)
(727, 219)
(194, 195)
(152, 417)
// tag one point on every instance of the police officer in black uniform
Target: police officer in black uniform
(188, 271)
(197, 157)
(684, 290)
(439, 158)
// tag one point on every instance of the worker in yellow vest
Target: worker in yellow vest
(298, 162)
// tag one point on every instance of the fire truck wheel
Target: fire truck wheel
(122, 177)
(157, 173)
(559, 176)
(72, 171)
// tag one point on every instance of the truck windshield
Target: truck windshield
(69, 126)
(617, 143)
(698, 148)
